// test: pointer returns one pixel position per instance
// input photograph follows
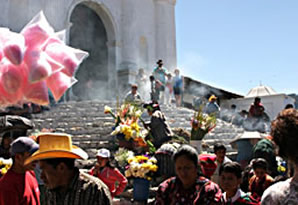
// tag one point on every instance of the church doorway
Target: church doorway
(89, 33)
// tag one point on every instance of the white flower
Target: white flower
(107, 109)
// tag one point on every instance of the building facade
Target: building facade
(121, 36)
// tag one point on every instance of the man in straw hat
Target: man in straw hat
(212, 106)
(65, 183)
(19, 185)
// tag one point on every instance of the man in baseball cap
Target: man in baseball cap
(19, 185)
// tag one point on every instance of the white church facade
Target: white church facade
(120, 35)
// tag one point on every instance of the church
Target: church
(121, 37)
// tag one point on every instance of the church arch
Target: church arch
(93, 30)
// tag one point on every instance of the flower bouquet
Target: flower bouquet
(127, 124)
(202, 124)
(141, 167)
(122, 155)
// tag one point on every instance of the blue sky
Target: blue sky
(238, 44)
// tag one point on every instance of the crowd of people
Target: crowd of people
(44, 171)
(53, 155)
(164, 87)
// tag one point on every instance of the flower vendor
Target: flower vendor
(107, 173)
(159, 128)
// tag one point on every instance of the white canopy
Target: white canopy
(260, 91)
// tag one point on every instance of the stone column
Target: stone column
(166, 32)
(129, 46)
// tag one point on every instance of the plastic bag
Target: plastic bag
(37, 93)
(11, 78)
(12, 81)
(37, 31)
(69, 57)
(40, 66)
(58, 83)
(14, 47)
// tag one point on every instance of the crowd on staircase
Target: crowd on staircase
(43, 169)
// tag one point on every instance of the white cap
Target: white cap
(104, 153)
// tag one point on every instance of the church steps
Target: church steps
(91, 128)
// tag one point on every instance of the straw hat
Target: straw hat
(56, 145)
(212, 97)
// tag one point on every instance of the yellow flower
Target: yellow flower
(145, 166)
(3, 171)
(130, 159)
(107, 109)
(141, 158)
(153, 168)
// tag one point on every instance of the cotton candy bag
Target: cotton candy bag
(69, 57)
(37, 31)
(58, 83)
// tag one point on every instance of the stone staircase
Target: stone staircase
(91, 128)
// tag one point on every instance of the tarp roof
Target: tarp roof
(261, 91)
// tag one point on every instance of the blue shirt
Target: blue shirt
(160, 74)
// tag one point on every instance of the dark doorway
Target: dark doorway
(88, 33)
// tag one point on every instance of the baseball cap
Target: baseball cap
(104, 153)
(23, 144)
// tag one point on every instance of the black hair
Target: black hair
(231, 167)
(189, 152)
(257, 99)
(259, 163)
(219, 146)
(151, 78)
(288, 106)
(54, 162)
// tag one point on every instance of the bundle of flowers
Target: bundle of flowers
(202, 124)
(141, 167)
(127, 123)
(5, 164)
(122, 155)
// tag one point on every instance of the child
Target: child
(260, 181)
(107, 173)
(230, 179)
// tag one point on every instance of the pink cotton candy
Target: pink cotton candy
(37, 93)
(1, 53)
(12, 77)
(58, 83)
(14, 53)
(37, 31)
(40, 65)
(69, 57)
(12, 82)
(13, 47)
